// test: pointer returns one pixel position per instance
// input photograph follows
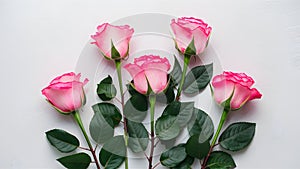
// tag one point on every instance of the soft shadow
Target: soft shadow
(246, 112)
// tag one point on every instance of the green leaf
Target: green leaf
(136, 108)
(202, 125)
(110, 113)
(176, 72)
(173, 156)
(185, 164)
(191, 49)
(100, 129)
(114, 52)
(197, 79)
(220, 160)
(106, 90)
(195, 147)
(237, 136)
(62, 140)
(168, 143)
(110, 160)
(116, 145)
(76, 161)
(138, 136)
(166, 127)
(182, 110)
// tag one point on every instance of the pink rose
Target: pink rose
(237, 85)
(109, 35)
(149, 69)
(66, 92)
(188, 28)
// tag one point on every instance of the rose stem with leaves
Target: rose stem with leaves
(79, 122)
(185, 66)
(213, 143)
(118, 66)
(152, 100)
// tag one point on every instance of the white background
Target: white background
(42, 39)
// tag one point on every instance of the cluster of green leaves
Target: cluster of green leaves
(235, 137)
(176, 117)
(66, 143)
(196, 79)
(107, 117)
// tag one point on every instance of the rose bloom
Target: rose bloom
(235, 85)
(118, 35)
(187, 28)
(66, 93)
(149, 69)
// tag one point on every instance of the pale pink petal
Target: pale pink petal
(140, 83)
(194, 23)
(223, 88)
(67, 77)
(122, 42)
(102, 27)
(157, 79)
(183, 36)
(200, 40)
(133, 69)
(153, 62)
(85, 81)
(102, 40)
(190, 22)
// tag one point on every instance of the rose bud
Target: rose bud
(113, 41)
(190, 32)
(233, 90)
(65, 93)
(149, 73)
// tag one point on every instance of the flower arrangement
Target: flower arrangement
(151, 79)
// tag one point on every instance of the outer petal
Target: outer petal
(138, 75)
(102, 40)
(121, 41)
(240, 96)
(255, 94)
(200, 39)
(223, 88)
(66, 97)
(157, 79)
(153, 62)
(140, 83)
(67, 77)
(194, 23)
(133, 69)
(183, 36)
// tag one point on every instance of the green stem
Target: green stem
(222, 120)
(185, 66)
(152, 100)
(213, 143)
(79, 122)
(118, 66)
